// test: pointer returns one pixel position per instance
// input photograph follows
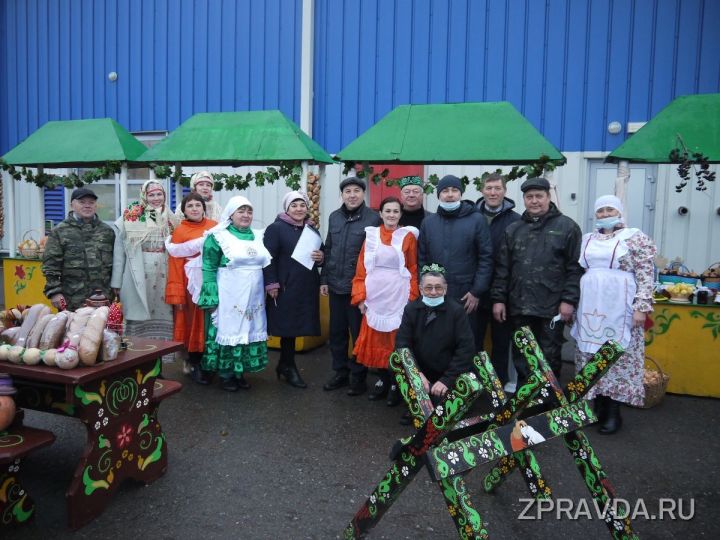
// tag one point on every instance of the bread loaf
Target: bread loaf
(31, 356)
(31, 317)
(48, 357)
(92, 336)
(54, 332)
(15, 354)
(33, 339)
(10, 335)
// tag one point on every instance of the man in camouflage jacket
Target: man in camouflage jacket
(78, 254)
(537, 274)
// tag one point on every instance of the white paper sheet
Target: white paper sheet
(308, 242)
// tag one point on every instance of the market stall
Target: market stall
(684, 335)
(102, 144)
(266, 139)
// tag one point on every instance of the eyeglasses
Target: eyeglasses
(431, 288)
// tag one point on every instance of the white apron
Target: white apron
(240, 315)
(606, 293)
(387, 283)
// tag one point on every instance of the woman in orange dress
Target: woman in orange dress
(385, 280)
(184, 281)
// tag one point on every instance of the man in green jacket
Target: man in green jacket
(78, 254)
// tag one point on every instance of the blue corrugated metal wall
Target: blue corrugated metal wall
(173, 58)
(570, 67)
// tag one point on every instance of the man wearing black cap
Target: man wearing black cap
(537, 274)
(79, 254)
(346, 234)
(458, 238)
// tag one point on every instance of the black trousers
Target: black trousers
(501, 334)
(550, 341)
(345, 321)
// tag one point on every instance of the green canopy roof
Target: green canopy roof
(76, 143)
(695, 118)
(479, 133)
(236, 138)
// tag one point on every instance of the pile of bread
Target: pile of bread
(66, 339)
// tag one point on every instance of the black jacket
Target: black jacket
(414, 218)
(346, 234)
(537, 265)
(444, 347)
(459, 241)
(296, 311)
(500, 222)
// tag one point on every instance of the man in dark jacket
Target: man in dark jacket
(458, 238)
(411, 196)
(78, 255)
(499, 213)
(436, 329)
(537, 274)
(346, 234)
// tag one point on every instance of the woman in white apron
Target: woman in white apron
(384, 282)
(233, 293)
(615, 298)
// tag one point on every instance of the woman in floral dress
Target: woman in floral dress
(140, 267)
(233, 295)
(615, 298)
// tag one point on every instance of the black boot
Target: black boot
(199, 375)
(380, 390)
(600, 408)
(291, 375)
(613, 421)
(394, 398)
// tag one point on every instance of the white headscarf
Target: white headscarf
(201, 175)
(294, 196)
(232, 205)
(609, 201)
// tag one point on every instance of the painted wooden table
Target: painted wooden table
(115, 402)
(685, 340)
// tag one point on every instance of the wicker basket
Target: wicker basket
(711, 282)
(30, 253)
(657, 385)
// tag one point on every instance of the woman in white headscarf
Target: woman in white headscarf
(233, 294)
(140, 265)
(202, 183)
(293, 308)
(615, 298)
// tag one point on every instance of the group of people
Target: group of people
(400, 277)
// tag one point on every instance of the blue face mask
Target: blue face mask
(607, 223)
(432, 302)
(449, 206)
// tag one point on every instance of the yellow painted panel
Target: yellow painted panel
(23, 282)
(306, 343)
(685, 341)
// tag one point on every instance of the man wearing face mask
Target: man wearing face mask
(537, 274)
(436, 329)
(458, 238)
(411, 196)
(346, 234)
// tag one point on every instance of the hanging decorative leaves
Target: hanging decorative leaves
(70, 181)
(686, 162)
(290, 171)
(538, 168)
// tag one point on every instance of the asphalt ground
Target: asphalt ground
(279, 462)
